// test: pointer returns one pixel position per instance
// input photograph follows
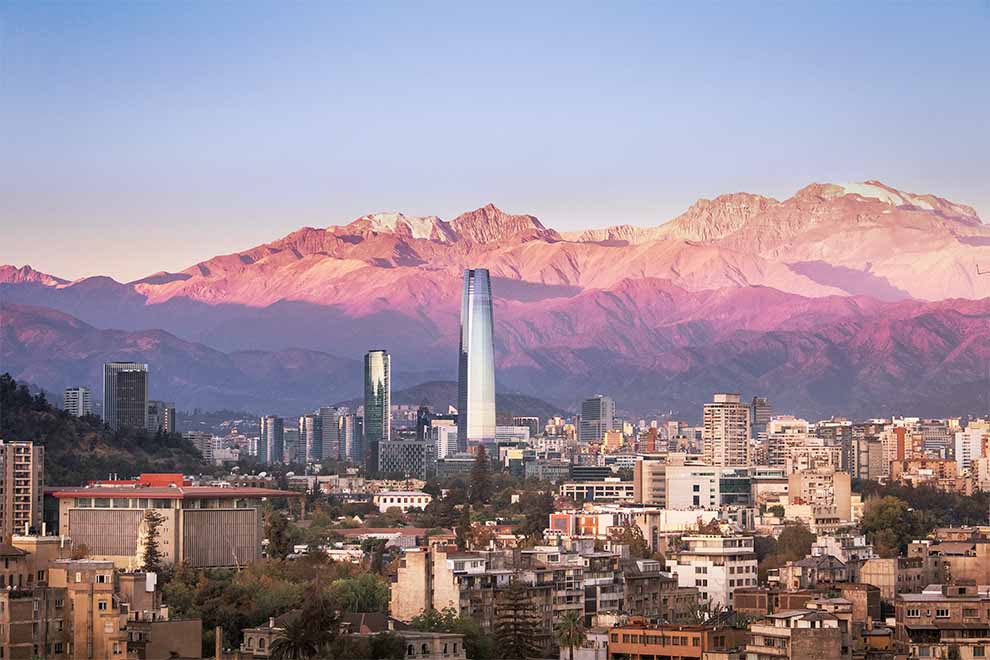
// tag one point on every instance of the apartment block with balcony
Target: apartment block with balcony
(22, 481)
(715, 564)
(803, 634)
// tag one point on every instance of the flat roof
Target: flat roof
(170, 493)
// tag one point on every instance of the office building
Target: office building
(78, 401)
(377, 404)
(292, 450)
(311, 436)
(22, 484)
(203, 441)
(125, 395)
(161, 417)
(726, 431)
(760, 413)
(533, 423)
(271, 443)
(330, 430)
(597, 417)
(416, 459)
(203, 526)
(476, 364)
(443, 432)
(349, 437)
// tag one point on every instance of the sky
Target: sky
(137, 137)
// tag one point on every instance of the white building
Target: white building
(970, 446)
(784, 431)
(716, 565)
(726, 431)
(443, 432)
(78, 401)
(612, 488)
(401, 499)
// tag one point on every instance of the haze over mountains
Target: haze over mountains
(855, 298)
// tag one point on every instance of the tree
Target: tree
(570, 632)
(308, 635)
(537, 509)
(889, 524)
(795, 542)
(477, 645)
(481, 478)
(632, 536)
(364, 593)
(515, 623)
(277, 532)
(463, 531)
(151, 556)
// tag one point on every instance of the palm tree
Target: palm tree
(570, 632)
(295, 642)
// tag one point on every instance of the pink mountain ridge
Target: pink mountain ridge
(844, 294)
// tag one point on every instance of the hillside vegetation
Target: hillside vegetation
(80, 449)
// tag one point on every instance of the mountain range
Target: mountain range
(856, 299)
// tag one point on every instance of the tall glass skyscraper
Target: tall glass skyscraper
(476, 367)
(377, 402)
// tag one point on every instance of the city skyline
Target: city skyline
(254, 137)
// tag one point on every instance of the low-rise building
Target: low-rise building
(641, 640)
(401, 499)
(943, 617)
(611, 489)
(651, 593)
(803, 634)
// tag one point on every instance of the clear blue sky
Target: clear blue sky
(139, 136)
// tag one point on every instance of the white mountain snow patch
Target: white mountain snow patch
(892, 197)
(419, 226)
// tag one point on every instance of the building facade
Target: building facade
(597, 418)
(125, 395)
(726, 431)
(476, 364)
(78, 401)
(377, 404)
(22, 485)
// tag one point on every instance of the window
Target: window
(913, 613)
(970, 612)
(942, 613)
(979, 651)
(102, 606)
(261, 643)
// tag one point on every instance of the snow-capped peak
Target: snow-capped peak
(875, 190)
(427, 227)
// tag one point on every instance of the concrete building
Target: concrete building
(804, 634)
(407, 458)
(641, 640)
(330, 445)
(822, 488)
(22, 485)
(597, 417)
(611, 489)
(203, 441)
(971, 445)
(783, 432)
(271, 442)
(726, 431)
(941, 617)
(78, 401)
(125, 395)
(401, 499)
(161, 417)
(760, 414)
(311, 437)
(652, 593)
(203, 526)
(716, 565)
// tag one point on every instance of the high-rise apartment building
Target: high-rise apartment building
(330, 434)
(161, 417)
(349, 437)
(292, 449)
(784, 432)
(377, 404)
(476, 364)
(726, 431)
(760, 413)
(78, 401)
(125, 395)
(311, 436)
(271, 443)
(597, 417)
(22, 484)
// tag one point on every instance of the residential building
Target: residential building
(125, 395)
(783, 432)
(377, 403)
(22, 485)
(726, 431)
(330, 446)
(804, 634)
(822, 488)
(203, 441)
(809, 572)
(271, 443)
(532, 423)
(597, 417)
(78, 401)
(970, 446)
(310, 437)
(941, 618)
(476, 363)
(638, 641)
(654, 594)
(715, 564)
(161, 417)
